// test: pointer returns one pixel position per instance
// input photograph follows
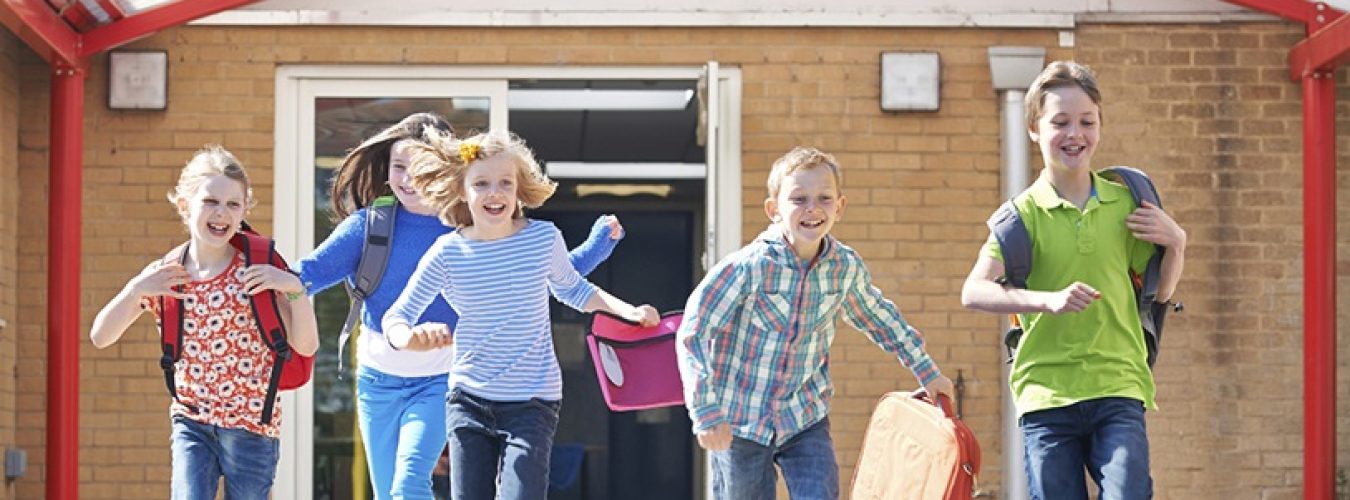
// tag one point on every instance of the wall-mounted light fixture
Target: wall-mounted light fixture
(138, 80)
(910, 81)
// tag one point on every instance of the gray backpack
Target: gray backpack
(1010, 230)
(374, 257)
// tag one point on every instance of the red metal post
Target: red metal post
(1319, 285)
(64, 202)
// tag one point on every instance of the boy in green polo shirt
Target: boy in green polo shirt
(1080, 377)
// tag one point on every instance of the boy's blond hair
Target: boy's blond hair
(802, 158)
(440, 162)
(211, 159)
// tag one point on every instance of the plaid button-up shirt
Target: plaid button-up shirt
(754, 345)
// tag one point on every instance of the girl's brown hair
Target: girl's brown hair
(440, 162)
(364, 172)
(1060, 74)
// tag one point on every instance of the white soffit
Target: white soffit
(694, 13)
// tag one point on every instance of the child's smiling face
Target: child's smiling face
(214, 210)
(400, 156)
(490, 190)
(807, 206)
(1068, 128)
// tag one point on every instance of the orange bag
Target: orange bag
(914, 449)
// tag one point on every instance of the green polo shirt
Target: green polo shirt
(1097, 352)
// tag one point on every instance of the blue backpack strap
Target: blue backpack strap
(1151, 313)
(1015, 243)
(374, 257)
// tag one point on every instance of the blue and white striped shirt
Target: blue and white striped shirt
(504, 340)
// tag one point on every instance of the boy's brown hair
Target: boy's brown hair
(1059, 74)
(802, 158)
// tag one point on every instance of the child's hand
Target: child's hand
(429, 336)
(261, 277)
(1152, 224)
(1072, 298)
(717, 438)
(156, 280)
(615, 228)
(645, 315)
(941, 385)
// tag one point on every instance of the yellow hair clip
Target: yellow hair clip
(468, 151)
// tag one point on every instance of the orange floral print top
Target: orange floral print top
(221, 377)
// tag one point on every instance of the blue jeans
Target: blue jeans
(746, 470)
(491, 439)
(402, 423)
(202, 453)
(1104, 436)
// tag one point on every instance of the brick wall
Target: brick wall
(920, 186)
(10, 47)
(31, 316)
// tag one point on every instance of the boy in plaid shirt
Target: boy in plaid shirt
(754, 345)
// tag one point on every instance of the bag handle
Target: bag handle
(943, 402)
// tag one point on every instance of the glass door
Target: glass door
(323, 457)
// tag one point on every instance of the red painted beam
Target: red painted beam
(1295, 10)
(34, 22)
(64, 201)
(151, 21)
(1323, 50)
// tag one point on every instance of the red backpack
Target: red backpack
(289, 371)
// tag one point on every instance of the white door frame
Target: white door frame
(297, 85)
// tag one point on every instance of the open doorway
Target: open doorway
(672, 209)
(630, 148)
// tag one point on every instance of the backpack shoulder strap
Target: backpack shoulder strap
(375, 252)
(374, 258)
(171, 324)
(1142, 189)
(258, 249)
(1014, 241)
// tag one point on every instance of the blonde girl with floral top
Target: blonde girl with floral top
(223, 373)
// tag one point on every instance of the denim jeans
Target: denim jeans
(202, 453)
(1106, 437)
(402, 422)
(499, 449)
(746, 470)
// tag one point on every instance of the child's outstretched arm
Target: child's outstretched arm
(982, 293)
(431, 278)
(574, 291)
(155, 280)
(605, 235)
(298, 315)
(867, 310)
(709, 315)
(337, 257)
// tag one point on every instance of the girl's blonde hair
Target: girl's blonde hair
(440, 162)
(210, 160)
(1059, 74)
